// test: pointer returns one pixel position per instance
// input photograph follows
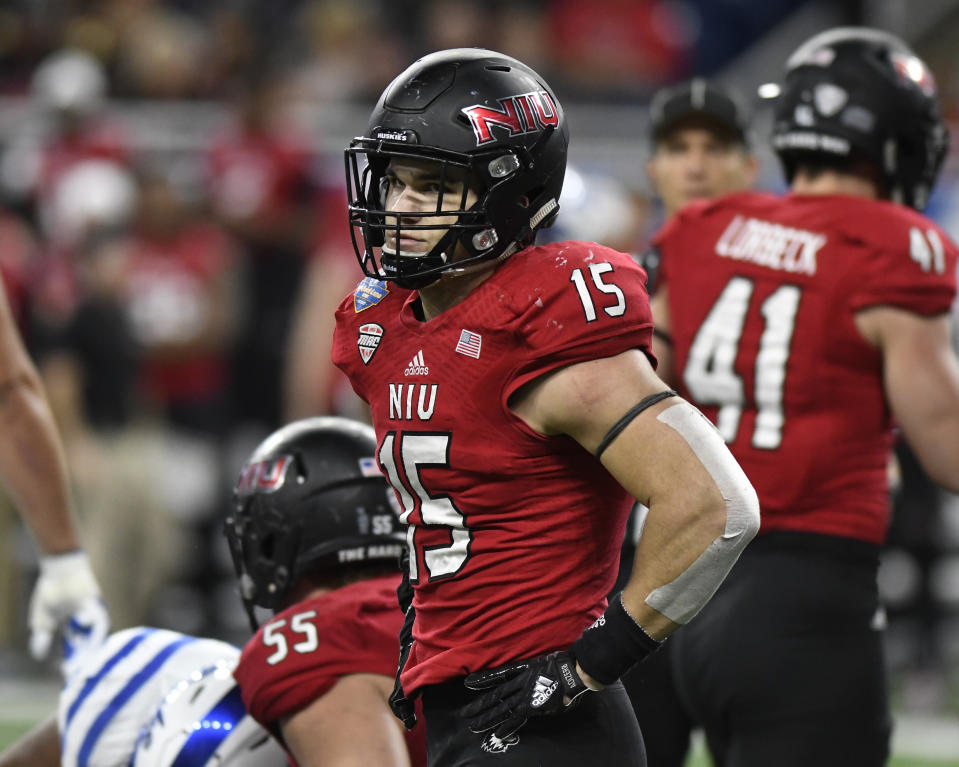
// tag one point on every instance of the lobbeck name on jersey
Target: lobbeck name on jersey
(771, 245)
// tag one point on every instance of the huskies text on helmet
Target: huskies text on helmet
(480, 116)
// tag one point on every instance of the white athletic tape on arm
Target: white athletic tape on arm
(685, 596)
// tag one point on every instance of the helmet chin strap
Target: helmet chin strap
(475, 266)
(246, 592)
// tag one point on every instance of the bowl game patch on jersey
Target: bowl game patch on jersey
(369, 293)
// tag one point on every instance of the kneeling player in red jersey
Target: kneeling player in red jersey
(315, 537)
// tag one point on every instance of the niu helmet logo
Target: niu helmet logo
(266, 476)
(523, 113)
(911, 70)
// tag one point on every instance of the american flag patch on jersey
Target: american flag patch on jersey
(469, 344)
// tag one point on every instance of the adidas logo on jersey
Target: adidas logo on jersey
(417, 366)
(542, 691)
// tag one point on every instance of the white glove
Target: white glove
(67, 593)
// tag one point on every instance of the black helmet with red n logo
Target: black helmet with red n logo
(857, 92)
(309, 499)
(479, 115)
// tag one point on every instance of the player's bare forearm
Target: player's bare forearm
(32, 466)
(702, 509)
(351, 726)
(686, 514)
(40, 747)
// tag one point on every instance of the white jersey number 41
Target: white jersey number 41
(709, 373)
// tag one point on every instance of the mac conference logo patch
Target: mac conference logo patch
(369, 340)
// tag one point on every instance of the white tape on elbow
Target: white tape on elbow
(680, 599)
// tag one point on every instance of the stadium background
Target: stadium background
(169, 194)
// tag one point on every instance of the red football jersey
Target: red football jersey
(516, 535)
(299, 655)
(763, 292)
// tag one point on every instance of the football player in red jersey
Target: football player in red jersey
(315, 536)
(513, 393)
(808, 327)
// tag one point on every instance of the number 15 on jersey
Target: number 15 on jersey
(403, 455)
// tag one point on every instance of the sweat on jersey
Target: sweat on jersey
(763, 293)
(516, 535)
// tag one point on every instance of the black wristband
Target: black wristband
(613, 644)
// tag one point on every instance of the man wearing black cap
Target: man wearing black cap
(699, 150)
(699, 146)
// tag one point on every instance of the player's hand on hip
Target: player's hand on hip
(514, 692)
(401, 706)
(67, 595)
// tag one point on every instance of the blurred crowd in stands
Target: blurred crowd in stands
(346, 49)
(178, 299)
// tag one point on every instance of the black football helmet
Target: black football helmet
(477, 114)
(858, 92)
(310, 498)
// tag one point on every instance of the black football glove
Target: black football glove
(517, 691)
(404, 592)
(402, 706)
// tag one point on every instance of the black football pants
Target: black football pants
(784, 666)
(600, 729)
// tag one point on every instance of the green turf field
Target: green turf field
(10, 731)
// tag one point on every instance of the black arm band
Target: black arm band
(612, 645)
(634, 411)
(663, 336)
